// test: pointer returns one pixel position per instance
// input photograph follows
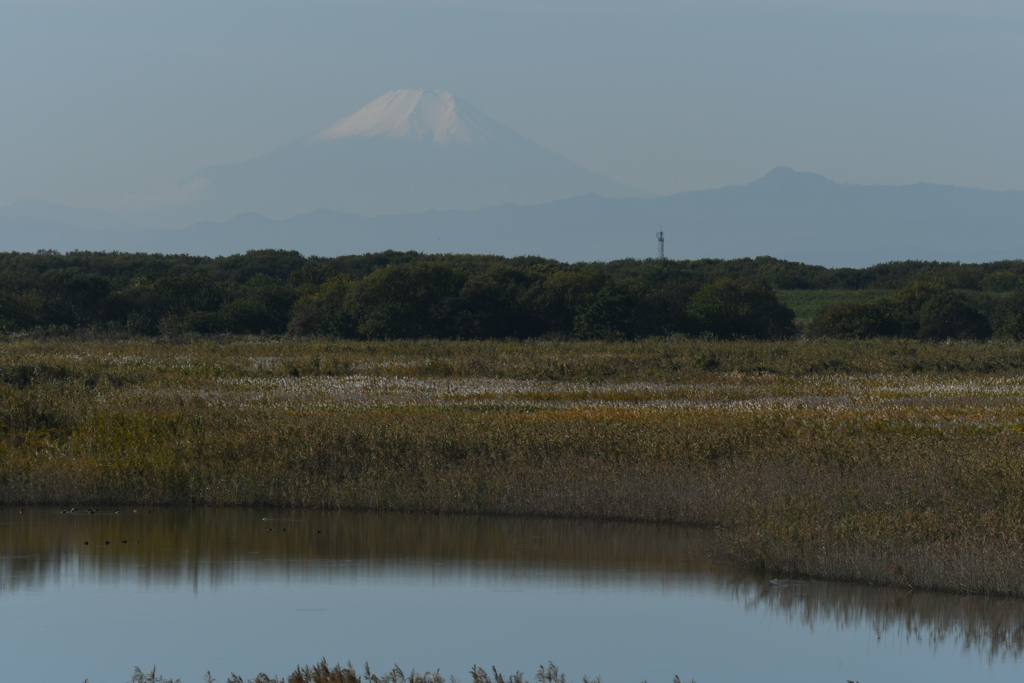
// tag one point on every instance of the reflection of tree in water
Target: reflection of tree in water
(989, 625)
(168, 547)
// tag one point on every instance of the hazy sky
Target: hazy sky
(103, 100)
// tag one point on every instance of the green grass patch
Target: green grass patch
(807, 302)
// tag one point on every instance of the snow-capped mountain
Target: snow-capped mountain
(407, 151)
(437, 116)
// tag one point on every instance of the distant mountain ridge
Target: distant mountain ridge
(786, 214)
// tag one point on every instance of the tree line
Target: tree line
(928, 311)
(391, 295)
(376, 296)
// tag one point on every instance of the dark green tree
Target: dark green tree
(184, 292)
(1008, 320)
(558, 298)
(619, 310)
(667, 308)
(325, 311)
(949, 315)
(494, 304)
(731, 309)
(908, 302)
(74, 298)
(855, 320)
(407, 301)
(262, 306)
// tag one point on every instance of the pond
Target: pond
(94, 594)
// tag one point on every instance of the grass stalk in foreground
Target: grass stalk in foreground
(322, 672)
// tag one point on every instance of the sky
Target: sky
(107, 103)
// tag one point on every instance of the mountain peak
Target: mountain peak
(783, 176)
(423, 115)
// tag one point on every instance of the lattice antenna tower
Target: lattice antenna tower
(661, 245)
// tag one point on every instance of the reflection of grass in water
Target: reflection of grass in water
(882, 461)
(220, 544)
(322, 672)
(993, 626)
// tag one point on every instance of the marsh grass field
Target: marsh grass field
(886, 462)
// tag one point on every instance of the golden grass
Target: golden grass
(884, 461)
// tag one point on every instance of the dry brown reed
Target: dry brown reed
(885, 462)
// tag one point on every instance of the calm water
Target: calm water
(197, 590)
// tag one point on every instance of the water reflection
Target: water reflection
(43, 548)
(218, 546)
(990, 625)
